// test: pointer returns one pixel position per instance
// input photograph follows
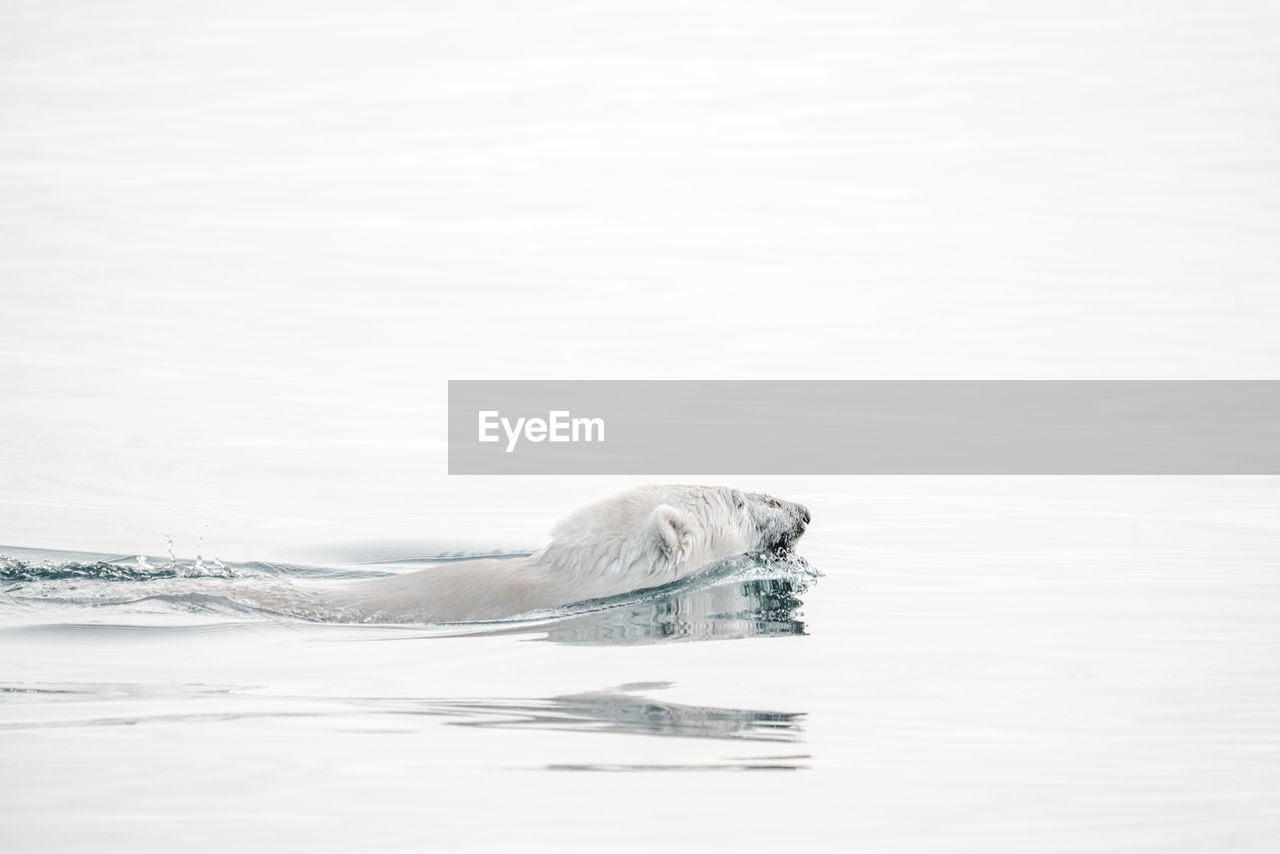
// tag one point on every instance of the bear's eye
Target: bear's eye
(740, 505)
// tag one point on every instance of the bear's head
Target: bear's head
(673, 531)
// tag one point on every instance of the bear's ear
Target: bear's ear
(673, 532)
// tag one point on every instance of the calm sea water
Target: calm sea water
(244, 245)
(984, 665)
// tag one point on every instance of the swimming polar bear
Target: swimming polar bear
(645, 537)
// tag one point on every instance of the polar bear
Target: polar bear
(644, 537)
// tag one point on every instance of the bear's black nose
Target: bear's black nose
(804, 513)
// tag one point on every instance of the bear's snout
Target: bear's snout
(795, 521)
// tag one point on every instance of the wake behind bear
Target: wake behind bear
(645, 537)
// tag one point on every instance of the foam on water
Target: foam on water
(743, 596)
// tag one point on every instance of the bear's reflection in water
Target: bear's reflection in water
(720, 605)
(624, 710)
(729, 609)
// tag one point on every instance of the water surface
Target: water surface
(1001, 664)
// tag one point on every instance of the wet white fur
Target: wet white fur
(644, 537)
